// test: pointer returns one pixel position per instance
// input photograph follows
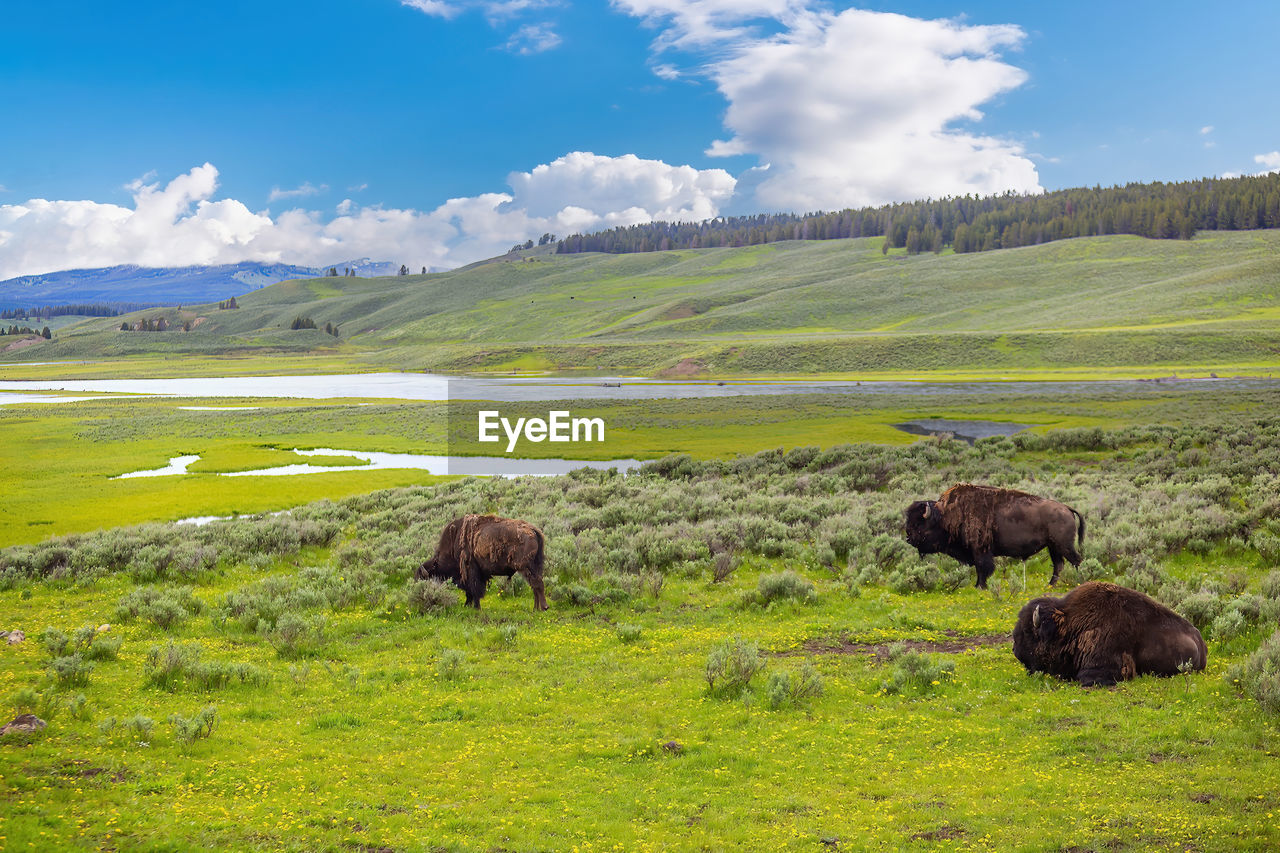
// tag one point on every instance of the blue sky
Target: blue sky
(162, 133)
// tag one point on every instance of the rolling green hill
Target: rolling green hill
(1106, 304)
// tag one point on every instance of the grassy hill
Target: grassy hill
(839, 306)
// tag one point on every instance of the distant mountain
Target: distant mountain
(163, 285)
(366, 268)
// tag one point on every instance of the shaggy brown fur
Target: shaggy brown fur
(474, 548)
(969, 511)
(976, 524)
(1101, 633)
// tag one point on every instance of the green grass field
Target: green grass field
(343, 713)
(1106, 305)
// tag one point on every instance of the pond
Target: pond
(969, 431)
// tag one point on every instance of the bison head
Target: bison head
(433, 569)
(925, 532)
(1035, 636)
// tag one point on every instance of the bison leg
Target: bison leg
(986, 566)
(1106, 671)
(476, 591)
(1056, 554)
(539, 591)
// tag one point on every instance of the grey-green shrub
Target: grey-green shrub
(1259, 675)
(179, 665)
(1201, 608)
(164, 607)
(783, 586)
(451, 661)
(200, 725)
(731, 666)
(787, 689)
(915, 673)
(71, 670)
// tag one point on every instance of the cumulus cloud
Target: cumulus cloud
(180, 224)
(850, 108)
(1206, 130)
(301, 192)
(1269, 162)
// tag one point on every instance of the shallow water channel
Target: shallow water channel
(493, 466)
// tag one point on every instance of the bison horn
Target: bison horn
(1035, 618)
(927, 508)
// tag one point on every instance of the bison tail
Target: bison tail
(1079, 526)
(538, 558)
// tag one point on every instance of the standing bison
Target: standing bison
(474, 548)
(976, 524)
(1100, 633)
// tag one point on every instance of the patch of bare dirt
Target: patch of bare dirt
(23, 344)
(686, 367)
(679, 312)
(942, 833)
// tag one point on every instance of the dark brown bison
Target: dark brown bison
(1100, 633)
(474, 548)
(976, 524)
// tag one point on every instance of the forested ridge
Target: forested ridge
(969, 224)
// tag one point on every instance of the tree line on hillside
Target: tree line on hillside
(45, 312)
(300, 323)
(155, 324)
(26, 331)
(970, 224)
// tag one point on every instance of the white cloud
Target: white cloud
(1270, 162)
(532, 38)
(850, 108)
(179, 224)
(437, 8)
(692, 24)
(301, 192)
(1206, 130)
(527, 40)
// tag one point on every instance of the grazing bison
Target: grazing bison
(474, 548)
(976, 524)
(1100, 633)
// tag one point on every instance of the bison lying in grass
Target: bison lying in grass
(976, 524)
(1100, 633)
(474, 548)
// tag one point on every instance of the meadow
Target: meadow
(1119, 306)
(741, 653)
(58, 460)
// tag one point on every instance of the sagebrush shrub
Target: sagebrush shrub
(786, 689)
(783, 586)
(1201, 608)
(200, 725)
(731, 666)
(913, 672)
(1259, 675)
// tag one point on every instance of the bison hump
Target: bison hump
(969, 512)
